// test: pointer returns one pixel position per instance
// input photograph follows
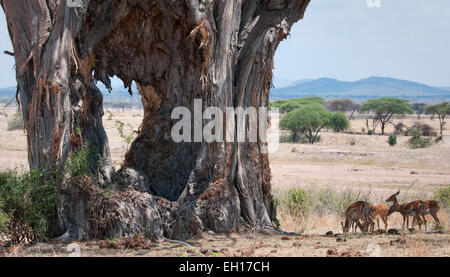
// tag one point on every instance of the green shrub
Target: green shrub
(413, 132)
(28, 201)
(418, 141)
(392, 140)
(339, 122)
(16, 123)
(303, 202)
(27, 204)
(80, 162)
(443, 196)
(370, 132)
(297, 200)
(330, 201)
(438, 139)
(128, 138)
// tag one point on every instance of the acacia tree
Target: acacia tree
(419, 108)
(344, 106)
(442, 110)
(288, 105)
(386, 107)
(175, 51)
(310, 119)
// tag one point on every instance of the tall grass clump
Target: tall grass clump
(443, 196)
(417, 140)
(15, 123)
(392, 140)
(303, 202)
(80, 163)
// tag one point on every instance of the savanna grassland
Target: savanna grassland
(342, 167)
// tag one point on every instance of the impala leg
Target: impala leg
(378, 223)
(385, 223)
(434, 215)
(424, 222)
(419, 222)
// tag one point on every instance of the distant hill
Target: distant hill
(373, 87)
(118, 95)
(6, 94)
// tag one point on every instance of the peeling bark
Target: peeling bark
(175, 51)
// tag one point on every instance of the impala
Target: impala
(429, 207)
(406, 209)
(356, 211)
(381, 211)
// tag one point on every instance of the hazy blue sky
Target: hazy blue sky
(347, 40)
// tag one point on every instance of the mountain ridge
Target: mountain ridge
(372, 87)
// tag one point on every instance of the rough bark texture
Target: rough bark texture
(175, 51)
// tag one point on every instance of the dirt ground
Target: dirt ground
(363, 163)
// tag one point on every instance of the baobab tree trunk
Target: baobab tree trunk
(175, 51)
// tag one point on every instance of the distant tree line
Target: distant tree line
(122, 105)
(306, 117)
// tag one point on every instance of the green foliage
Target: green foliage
(443, 196)
(392, 140)
(385, 108)
(328, 200)
(442, 110)
(81, 162)
(27, 202)
(128, 138)
(387, 105)
(339, 122)
(417, 141)
(370, 132)
(308, 120)
(303, 202)
(297, 201)
(288, 105)
(16, 123)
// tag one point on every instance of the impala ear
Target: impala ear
(398, 192)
